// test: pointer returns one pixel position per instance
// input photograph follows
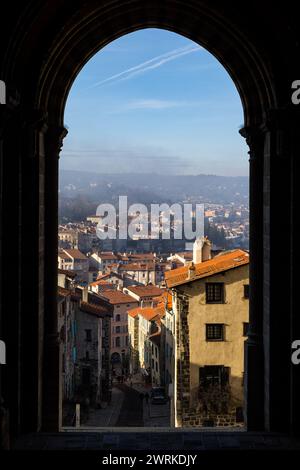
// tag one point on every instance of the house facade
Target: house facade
(210, 305)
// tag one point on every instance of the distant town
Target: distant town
(152, 330)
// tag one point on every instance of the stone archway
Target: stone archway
(52, 43)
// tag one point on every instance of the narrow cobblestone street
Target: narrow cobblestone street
(127, 409)
(156, 415)
(108, 415)
(131, 413)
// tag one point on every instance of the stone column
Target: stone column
(294, 126)
(31, 246)
(281, 323)
(254, 356)
(182, 389)
(5, 116)
(10, 151)
(52, 361)
(2, 133)
(23, 317)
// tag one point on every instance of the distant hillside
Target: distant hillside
(149, 188)
(82, 192)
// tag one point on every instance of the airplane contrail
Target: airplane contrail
(153, 63)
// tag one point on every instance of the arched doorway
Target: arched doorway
(64, 41)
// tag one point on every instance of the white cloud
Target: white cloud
(154, 104)
(151, 64)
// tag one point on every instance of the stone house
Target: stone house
(210, 305)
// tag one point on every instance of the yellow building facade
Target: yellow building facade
(211, 310)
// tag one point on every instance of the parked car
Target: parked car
(158, 396)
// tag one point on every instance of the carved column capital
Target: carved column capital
(254, 137)
(54, 139)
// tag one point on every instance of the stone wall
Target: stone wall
(183, 359)
(193, 418)
(187, 414)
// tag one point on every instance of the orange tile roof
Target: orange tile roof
(117, 297)
(223, 262)
(100, 282)
(146, 291)
(146, 312)
(133, 312)
(137, 267)
(137, 256)
(63, 292)
(63, 255)
(76, 254)
(159, 312)
(94, 309)
(107, 255)
(165, 297)
(67, 273)
(169, 302)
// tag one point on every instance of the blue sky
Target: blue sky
(153, 102)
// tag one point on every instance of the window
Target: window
(118, 328)
(214, 332)
(118, 317)
(246, 291)
(214, 375)
(118, 342)
(214, 293)
(74, 354)
(88, 335)
(245, 329)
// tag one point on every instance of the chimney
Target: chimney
(201, 250)
(197, 250)
(85, 295)
(191, 270)
(206, 249)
